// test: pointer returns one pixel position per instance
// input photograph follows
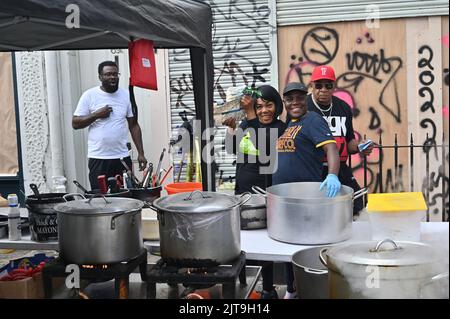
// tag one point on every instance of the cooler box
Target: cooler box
(396, 215)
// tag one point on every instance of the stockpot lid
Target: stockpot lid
(197, 202)
(383, 253)
(99, 206)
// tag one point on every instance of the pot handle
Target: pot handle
(245, 200)
(381, 242)
(113, 218)
(316, 271)
(322, 257)
(360, 193)
(259, 190)
(72, 195)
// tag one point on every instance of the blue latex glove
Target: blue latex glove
(333, 185)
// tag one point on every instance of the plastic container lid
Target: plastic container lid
(13, 201)
(396, 202)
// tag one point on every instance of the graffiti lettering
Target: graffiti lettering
(374, 119)
(427, 104)
(320, 45)
(368, 66)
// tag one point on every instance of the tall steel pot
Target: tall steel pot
(199, 226)
(100, 230)
(299, 213)
(382, 270)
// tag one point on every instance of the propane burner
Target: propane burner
(120, 272)
(198, 274)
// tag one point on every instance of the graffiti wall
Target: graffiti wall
(396, 80)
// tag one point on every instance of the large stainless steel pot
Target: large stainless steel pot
(200, 226)
(253, 212)
(383, 270)
(311, 276)
(100, 230)
(299, 213)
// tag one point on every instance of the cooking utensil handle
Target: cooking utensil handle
(245, 200)
(97, 195)
(80, 186)
(259, 190)
(72, 195)
(360, 193)
(322, 257)
(315, 271)
(381, 242)
(35, 189)
(196, 192)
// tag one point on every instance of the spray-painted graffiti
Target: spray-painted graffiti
(234, 63)
(320, 45)
(437, 179)
(377, 68)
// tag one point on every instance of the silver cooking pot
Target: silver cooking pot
(382, 270)
(100, 230)
(299, 213)
(199, 226)
(253, 212)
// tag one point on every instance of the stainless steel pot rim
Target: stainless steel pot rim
(99, 206)
(364, 253)
(313, 195)
(196, 202)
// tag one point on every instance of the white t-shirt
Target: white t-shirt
(107, 137)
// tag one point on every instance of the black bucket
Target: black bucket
(147, 195)
(42, 216)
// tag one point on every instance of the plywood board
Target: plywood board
(8, 139)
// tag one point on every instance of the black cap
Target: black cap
(295, 86)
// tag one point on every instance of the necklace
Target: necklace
(330, 109)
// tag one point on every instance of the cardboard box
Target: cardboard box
(29, 288)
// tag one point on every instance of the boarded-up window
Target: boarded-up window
(8, 136)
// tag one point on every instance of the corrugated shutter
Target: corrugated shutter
(293, 12)
(241, 56)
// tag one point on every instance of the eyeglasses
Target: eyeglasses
(296, 98)
(252, 92)
(319, 86)
(111, 74)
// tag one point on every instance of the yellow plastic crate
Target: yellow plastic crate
(396, 202)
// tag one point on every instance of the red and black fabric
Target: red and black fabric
(340, 122)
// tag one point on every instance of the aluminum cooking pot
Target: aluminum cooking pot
(299, 213)
(253, 212)
(100, 230)
(381, 270)
(200, 226)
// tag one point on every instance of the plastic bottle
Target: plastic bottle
(14, 227)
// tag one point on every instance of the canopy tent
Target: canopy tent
(30, 25)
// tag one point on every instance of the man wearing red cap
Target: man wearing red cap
(339, 116)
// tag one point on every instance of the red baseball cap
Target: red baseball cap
(323, 72)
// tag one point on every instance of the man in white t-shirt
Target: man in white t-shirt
(107, 111)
